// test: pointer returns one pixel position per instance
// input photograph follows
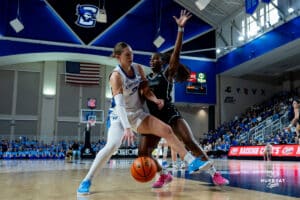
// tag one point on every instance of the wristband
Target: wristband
(290, 125)
(180, 29)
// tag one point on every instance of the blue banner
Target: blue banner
(266, 1)
(251, 6)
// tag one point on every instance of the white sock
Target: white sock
(158, 152)
(212, 171)
(165, 152)
(163, 171)
(189, 158)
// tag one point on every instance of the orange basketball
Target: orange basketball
(143, 169)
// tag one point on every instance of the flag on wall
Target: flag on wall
(82, 73)
(250, 6)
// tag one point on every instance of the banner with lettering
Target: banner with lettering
(277, 151)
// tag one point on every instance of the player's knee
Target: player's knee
(115, 146)
(168, 131)
(112, 147)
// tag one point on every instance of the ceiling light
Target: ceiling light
(241, 38)
(201, 4)
(101, 16)
(291, 10)
(159, 41)
(17, 25)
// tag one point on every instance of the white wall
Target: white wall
(47, 115)
(233, 97)
(197, 118)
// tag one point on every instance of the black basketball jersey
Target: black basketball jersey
(161, 87)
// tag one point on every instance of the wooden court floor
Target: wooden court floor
(58, 179)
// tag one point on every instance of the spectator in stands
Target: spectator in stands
(75, 150)
(208, 148)
(69, 154)
(295, 121)
(234, 141)
(4, 145)
(268, 152)
(1, 153)
(219, 148)
(61, 154)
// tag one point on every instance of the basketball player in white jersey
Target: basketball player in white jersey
(127, 82)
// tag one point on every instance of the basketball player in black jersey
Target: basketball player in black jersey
(165, 70)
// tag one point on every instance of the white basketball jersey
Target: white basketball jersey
(131, 88)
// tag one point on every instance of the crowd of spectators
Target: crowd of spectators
(217, 142)
(24, 148)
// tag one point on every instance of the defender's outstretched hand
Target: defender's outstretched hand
(184, 16)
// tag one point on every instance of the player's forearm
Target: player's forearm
(293, 122)
(149, 95)
(121, 111)
(175, 56)
(178, 43)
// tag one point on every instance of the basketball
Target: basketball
(143, 169)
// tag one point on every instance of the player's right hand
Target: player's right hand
(128, 137)
(160, 104)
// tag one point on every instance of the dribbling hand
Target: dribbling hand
(128, 137)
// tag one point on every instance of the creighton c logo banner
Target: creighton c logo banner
(81, 16)
(86, 15)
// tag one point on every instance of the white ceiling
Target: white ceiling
(273, 64)
(216, 11)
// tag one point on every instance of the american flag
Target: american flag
(82, 73)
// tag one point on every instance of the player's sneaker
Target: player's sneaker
(219, 180)
(162, 180)
(84, 188)
(198, 164)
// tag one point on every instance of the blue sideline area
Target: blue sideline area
(269, 177)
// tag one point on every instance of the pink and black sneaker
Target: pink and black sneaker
(219, 180)
(162, 180)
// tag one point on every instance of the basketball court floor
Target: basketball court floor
(59, 179)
